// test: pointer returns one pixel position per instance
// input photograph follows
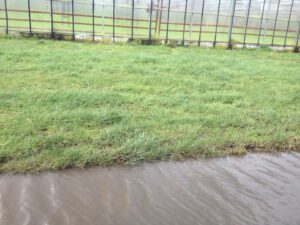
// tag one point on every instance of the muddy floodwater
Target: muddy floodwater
(255, 189)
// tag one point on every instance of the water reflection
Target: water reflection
(256, 189)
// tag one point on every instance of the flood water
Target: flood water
(255, 189)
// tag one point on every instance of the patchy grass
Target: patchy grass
(66, 104)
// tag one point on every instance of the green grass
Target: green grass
(68, 104)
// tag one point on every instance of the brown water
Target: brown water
(256, 189)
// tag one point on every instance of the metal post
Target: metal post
(201, 21)
(296, 49)
(247, 21)
(6, 16)
(158, 21)
(288, 24)
(168, 19)
(114, 12)
(192, 18)
(73, 22)
(158, 17)
(231, 26)
(267, 19)
(51, 19)
(184, 21)
(261, 21)
(102, 18)
(132, 19)
(93, 12)
(276, 17)
(29, 17)
(297, 41)
(150, 20)
(217, 24)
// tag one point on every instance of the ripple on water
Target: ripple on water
(255, 189)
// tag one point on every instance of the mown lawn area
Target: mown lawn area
(71, 104)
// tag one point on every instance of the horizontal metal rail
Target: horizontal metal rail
(140, 27)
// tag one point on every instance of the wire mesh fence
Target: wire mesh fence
(231, 22)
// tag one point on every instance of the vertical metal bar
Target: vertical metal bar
(6, 16)
(288, 24)
(201, 21)
(51, 19)
(29, 17)
(158, 21)
(73, 22)
(276, 17)
(150, 20)
(184, 21)
(157, 16)
(261, 22)
(297, 39)
(114, 12)
(267, 20)
(192, 18)
(93, 12)
(168, 20)
(102, 18)
(132, 19)
(231, 25)
(217, 24)
(247, 21)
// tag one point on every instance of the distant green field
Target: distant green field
(68, 104)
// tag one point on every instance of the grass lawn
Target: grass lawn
(70, 104)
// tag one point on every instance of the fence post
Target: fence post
(158, 17)
(247, 21)
(201, 21)
(29, 17)
(132, 18)
(6, 16)
(231, 26)
(261, 22)
(296, 49)
(150, 21)
(184, 21)
(275, 23)
(168, 20)
(93, 14)
(192, 18)
(114, 12)
(102, 18)
(288, 24)
(51, 19)
(267, 20)
(217, 24)
(73, 22)
(158, 25)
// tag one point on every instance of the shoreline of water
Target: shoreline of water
(254, 189)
